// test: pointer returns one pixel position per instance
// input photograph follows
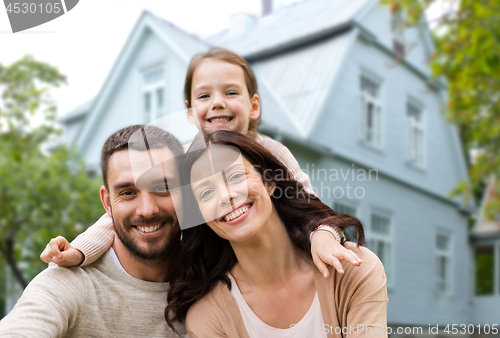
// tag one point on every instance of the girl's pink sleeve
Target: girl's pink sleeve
(96, 240)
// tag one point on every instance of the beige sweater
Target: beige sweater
(355, 302)
(99, 237)
(98, 300)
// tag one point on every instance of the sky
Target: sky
(85, 42)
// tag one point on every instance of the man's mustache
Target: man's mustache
(149, 221)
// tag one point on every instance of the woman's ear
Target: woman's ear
(255, 107)
(270, 187)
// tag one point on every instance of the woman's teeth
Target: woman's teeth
(149, 229)
(237, 213)
(220, 119)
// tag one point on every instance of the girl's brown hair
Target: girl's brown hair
(229, 57)
(204, 258)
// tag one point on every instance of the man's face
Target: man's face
(145, 219)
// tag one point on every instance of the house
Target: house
(349, 91)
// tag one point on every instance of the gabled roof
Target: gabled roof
(76, 112)
(299, 22)
(485, 226)
(175, 38)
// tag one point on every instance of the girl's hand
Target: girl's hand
(59, 251)
(326, 250)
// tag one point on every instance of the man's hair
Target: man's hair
(150, 137)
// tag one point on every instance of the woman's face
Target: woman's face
(234, 202)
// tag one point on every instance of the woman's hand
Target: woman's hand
(59, 251)
(326, 250)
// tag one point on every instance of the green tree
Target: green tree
(468, 56)
(42, 193)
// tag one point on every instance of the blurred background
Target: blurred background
(391, 107)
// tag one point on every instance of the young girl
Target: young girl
(221, 90)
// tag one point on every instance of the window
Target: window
(398, 38)
(380, 242)
(371, 111)
(153, 93)
(443, 264)
(344, 208)
(484, 270)
(416, 140)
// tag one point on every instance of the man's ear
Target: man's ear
(105, 200)
(255, 110)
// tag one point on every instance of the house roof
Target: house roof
(302, 78)
(190, 43)
(76, 112)
(294, 24)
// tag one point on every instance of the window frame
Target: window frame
(375, 138)
(440, 253)
(385, 238)
(412, 125)
(152, 89)
(398, 34)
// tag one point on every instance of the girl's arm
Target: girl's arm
(85, 249)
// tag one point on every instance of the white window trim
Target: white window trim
(347, 204)
(377, 102)
(152, 88)
(448, 293)
(411, 125)
(398, 33)
(370, 235)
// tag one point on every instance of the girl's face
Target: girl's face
(238, 209)
(220, 98)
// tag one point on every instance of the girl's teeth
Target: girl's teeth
(236, 214)
(221, 119)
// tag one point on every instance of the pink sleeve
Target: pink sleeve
(96, 240)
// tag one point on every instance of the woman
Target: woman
(248, 271)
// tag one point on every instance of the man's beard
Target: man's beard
(162, 250)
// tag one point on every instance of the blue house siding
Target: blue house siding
(416, 217)
(339, 126)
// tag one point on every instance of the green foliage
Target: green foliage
(484, 271)
(42, 193)
(468, 56)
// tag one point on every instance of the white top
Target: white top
(310, 326)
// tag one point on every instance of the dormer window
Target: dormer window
(371, 109)
(398, 38)
(416, 136)
(153, 87)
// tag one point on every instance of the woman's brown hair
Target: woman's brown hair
(229, 57)
(204, 258)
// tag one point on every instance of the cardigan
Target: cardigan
(354, 304)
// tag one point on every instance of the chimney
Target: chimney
(267, 7)
(272, 6)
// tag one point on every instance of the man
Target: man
(123, 293)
